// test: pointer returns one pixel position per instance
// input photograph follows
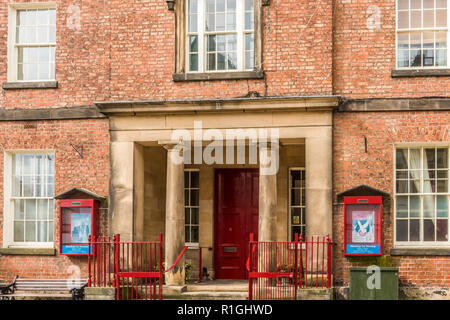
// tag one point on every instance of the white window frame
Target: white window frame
(202, 35)
(397, 31)
(290, 198)
(8, 214)
(193, 245)
(418, 244)
(12, 54)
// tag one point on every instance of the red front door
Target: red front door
(236, 216)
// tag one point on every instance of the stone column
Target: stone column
(122, 199)
(318, 168)
(174, 238)
(318, 151)
(267, 197)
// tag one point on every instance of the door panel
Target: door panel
(236, 216)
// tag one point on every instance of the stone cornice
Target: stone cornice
(311, 103)
(395, 104)
(69, 113)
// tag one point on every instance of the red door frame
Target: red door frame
(248, 211)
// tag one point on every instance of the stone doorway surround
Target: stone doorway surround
(135, 125)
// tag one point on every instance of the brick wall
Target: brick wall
(90, 172)
(124, 50)
(352, 167)
(364, 57)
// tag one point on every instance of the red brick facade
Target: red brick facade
(125, 50)
(90, 172)
(353, 167)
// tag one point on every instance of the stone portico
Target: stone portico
(147, 187)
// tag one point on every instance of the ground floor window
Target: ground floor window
(191, 205)
(297, 202)
(29, 191)
(422, 195)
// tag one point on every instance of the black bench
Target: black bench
(53, 288)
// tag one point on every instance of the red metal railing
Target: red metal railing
(278, 269)
(133, 268)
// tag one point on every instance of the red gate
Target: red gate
(278, 269)
(133, 268)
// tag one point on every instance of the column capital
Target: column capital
(171, 145)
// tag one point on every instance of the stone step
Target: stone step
(222, 295)
(217, 288)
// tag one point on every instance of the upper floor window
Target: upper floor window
(32, 43)
(422, 34)
(220, 35)
(29, 192)
(422, 196)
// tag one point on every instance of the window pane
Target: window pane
(441, 18)
(402, 186)
(401, 161)
(414, 230)
(249, 21)
(186, 197)
(187, 216)
(19, 231)
(428, 58)
(442, 206)
(50, 164)
(50, 186)
(194, 216)
(30, 231)
(194, 197)
(428, 230)
(42, 209)
(402, 230)
(187, 234)
(295, 229)
(402, 207)
(403, 41)
(50, 209)
(194, 234)
(416, 19)
(193, 6)
(415, 58)
(50, 231)
(442, 158)
(442, 230)
(193, 62)
(295, 197)
(28, 187)
(220, 61)
(30, 209)
(211, 43)
(428, 18)
(296, 216)
(212, 61)
(195, 179)
(428, 4)
(441, 3)
(19, 210)
(231, 5)
(428, 206)
(403, 4)
(416, 4)
(231, 61)
(42, 231)
(403, 20)
(295, 178)
(193, 23)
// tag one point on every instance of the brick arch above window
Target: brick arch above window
(182, 72)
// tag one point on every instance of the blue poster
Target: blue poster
(80, 227)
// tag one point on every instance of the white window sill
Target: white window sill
(415, 251)
(28, 251)
(408, 73)
(30, 85)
